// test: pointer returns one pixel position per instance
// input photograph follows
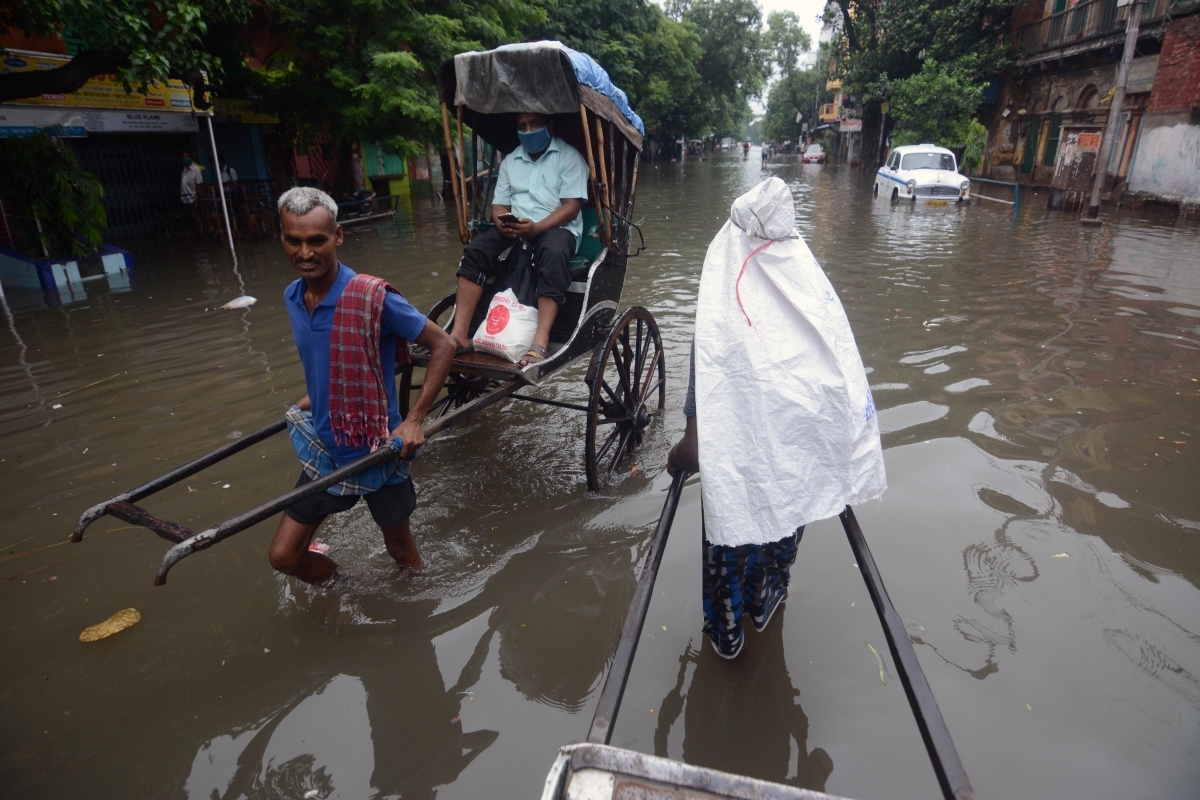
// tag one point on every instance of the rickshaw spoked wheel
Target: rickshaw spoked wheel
(458, 391)
(627, 380)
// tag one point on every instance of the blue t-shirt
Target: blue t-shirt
(398, 321)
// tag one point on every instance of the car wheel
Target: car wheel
(895, 196)
(875, 190)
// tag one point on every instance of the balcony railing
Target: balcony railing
(829, 112)
(1088, 21)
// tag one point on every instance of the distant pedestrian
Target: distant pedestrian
(780, 421)
(228, 174)
(191, 177)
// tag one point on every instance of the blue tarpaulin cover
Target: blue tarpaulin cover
(532, 76)
(591, 74)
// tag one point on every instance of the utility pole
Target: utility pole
(1115, 109)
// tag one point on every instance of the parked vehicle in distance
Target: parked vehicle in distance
(922, 173)
(814, 154)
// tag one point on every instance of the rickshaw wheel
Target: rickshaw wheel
(627, 380)
(458, 391)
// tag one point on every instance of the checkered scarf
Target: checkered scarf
(358, 398)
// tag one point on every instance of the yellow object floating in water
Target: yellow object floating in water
(125, 618)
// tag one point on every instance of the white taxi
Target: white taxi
(922, 173)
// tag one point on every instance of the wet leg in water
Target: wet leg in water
(290, 555)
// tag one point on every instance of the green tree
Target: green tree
(366, 69)
(937, 103)
(53, 201)
(879, 45)
(786, 40)
(734, 63)
(141, 40)
(789, 95)
(651, 57)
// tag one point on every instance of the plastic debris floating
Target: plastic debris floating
(125, 618)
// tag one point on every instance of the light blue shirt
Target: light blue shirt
(535, 189)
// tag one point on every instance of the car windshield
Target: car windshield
(813, 148)
(928, 161)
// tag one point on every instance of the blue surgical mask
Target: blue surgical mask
(535, 141)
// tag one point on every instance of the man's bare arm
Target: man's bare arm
(685, 455)
(441, 353)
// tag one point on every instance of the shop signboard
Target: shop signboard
(105, 91)
(235, 110)
(19, 122)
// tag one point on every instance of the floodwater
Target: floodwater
(1038, 389)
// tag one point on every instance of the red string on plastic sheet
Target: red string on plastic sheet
(737, 285)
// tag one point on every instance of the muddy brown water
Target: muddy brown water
(1039, 399)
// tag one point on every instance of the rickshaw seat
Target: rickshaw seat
(590, 246)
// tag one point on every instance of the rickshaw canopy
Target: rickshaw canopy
(539, 77)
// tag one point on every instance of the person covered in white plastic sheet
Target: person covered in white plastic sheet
(540, 190)
(780, 421)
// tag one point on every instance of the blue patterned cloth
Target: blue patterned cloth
(315, 458)
(749, 578)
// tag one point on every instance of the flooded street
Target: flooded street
(1038, 391)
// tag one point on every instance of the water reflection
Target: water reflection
(1037, 382)
(744, 716)
(377, 731)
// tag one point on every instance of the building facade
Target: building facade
(1063, 80)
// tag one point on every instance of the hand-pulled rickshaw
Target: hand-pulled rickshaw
(481, 95)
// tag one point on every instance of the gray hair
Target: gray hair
(302, 199)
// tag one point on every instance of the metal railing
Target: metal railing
(1083, 22)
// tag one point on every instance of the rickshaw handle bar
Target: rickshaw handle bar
(952, 778)
(206, 539)
(631, 224)
(618, 673)
(175, 476)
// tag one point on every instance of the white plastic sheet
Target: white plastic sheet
(786, 424)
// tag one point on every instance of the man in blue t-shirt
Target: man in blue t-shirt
(311, 237)
(540, 190)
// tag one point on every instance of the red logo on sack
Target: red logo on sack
(497, 320)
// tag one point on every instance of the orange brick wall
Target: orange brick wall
(1177, 82)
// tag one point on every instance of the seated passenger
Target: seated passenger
(544, 184)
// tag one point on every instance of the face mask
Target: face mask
(187, 162)
(535, 141)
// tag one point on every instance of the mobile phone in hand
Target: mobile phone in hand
(509, 219)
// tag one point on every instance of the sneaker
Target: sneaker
(770, 612)
(728, 656)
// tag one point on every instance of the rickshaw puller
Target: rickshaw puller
(349, 331)
(544, 184)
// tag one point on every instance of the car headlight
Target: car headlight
(964, 186)
(911, 185)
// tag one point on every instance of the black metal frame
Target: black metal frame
(951, 776)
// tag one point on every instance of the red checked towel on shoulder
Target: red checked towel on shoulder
(358, 399)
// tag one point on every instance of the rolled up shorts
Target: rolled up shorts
(390, 505)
